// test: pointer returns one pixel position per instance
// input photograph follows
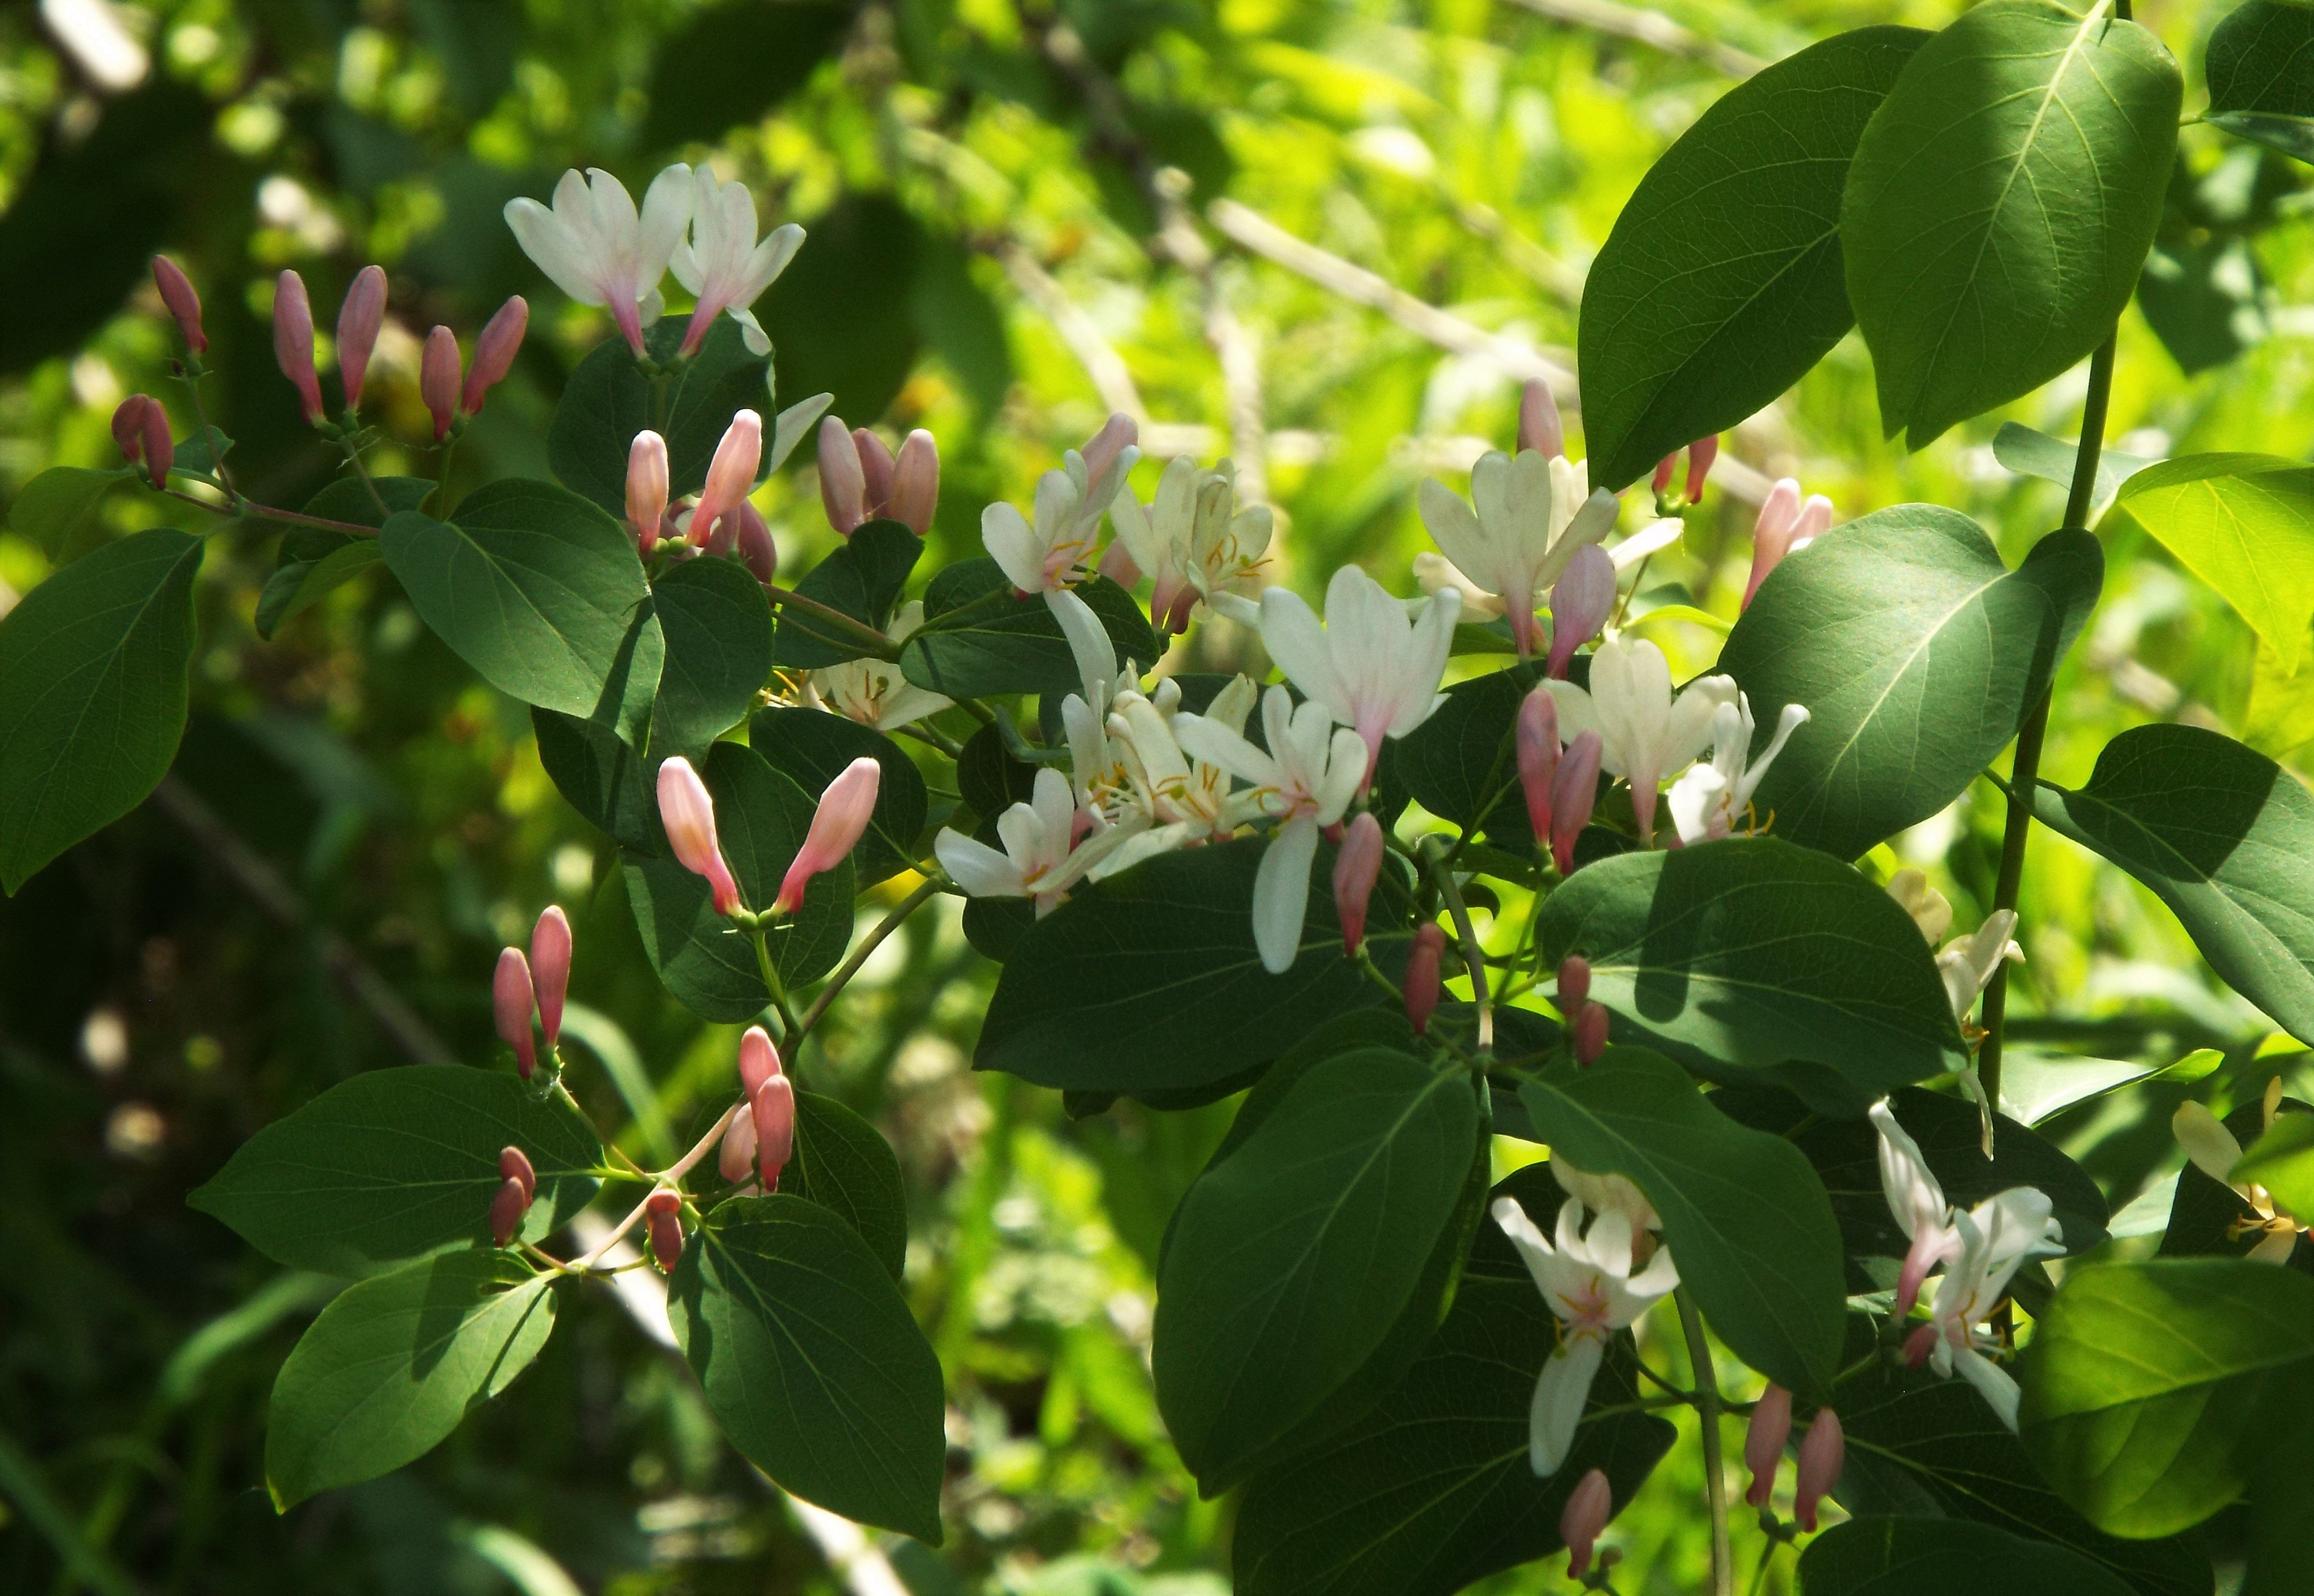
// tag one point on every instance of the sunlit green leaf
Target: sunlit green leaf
(2245, 524)
(2261, 73)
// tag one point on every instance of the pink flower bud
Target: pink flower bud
(844, 812)
(1700, 454)
(1574, 985)
(513, 1164)
(508, 1204)
(773, 1107)
(1539, 425)
(549, 968)
(1823, 1454)
(688, 813)
(437, 379)
(129, 427)
(1919, 1344)
(495, 349)
(735, 1160)
(759, 1061)
(1763, 1442)
(1785, 526)
(1574, 791)
(1356, 868)
(730, 477)
(293, 343)
(1107, 447)
(842, 485)
(1664, 472)
(1588, 1508)
(915, 483)
(1580, 603)
(1117, 565)
(1536, 737)
(1422, 973)
(177, 293)
(753, 543)
(875, 469)
(510, 1004)
(1590, 1034)
(646, 488)
(160, 452)
(359, 320)
(663, 1218)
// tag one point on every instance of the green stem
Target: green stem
(923, 893)
(250, 507)
(1715, 1468)
(882, 646)
(353, 458)
(1442, 872)
(789, 1030)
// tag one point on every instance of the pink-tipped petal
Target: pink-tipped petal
(1763, 1442)
(1580, 602)
(875, 471)
(1919, 1344)
(647, 483)
(293, 343)
(184, 305)
(753, 543)
(1927, 1250)
(495, 349)
(513, 1164)
(915, 483)
(774, 1107)
(1536, 737)
(510, 1008)
(842, 485)
(1574, 791)
(1584, 1517)
(1539, 425)
(688, 815)
(437, 379)
(1823, 1454)
(549, 968)
(359, 320)
(730, 477)
(759, 1060)
(508, 1206)
(1422, 978)
(1700, 454)
(1120, 432)
(1356, 869)
(836, 827)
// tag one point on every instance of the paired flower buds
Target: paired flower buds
(1763, 1442)
(688, 813)
(1581, 600)
(730, 478)
(542, 980)
(1588, 1508)
(517, 1189)
(1356, 868)
(762, 1134)
(845, 810)
(184, 305)
(439, 382)
(359, 320)
(141, 428)
(437, 379)
(1823, 1454)
(293, 343)
(1574, 793)
(1561, 785)
(1587, 1021)
(1422, 973)
(861, 480)
(663, 1218)
(1785, 526)
(1700, 454)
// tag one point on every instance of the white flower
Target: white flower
(1307, 779)
(598, 250)
(2215, 1152)
(1968, 963)
(723, 264)
(1039, 862)
(1187, 801)
(1917, 1200)
(1645, 734)
(1193, 538)
(1996, 1237)
(1056, 549)
(1587, 1280)
(1707, 801)
(874, 691)
(1373, 667)
(1605, 1194)
(1929, 909)
(1533, 514)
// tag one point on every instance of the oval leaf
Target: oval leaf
(1935, 1557)
(862, 579)
(814, 746)
(314, 560)
(843, 1164)
(2261, 73)
(2245, 524)
(979, 639)
(718, 632)
(54, 505)
(608, 399)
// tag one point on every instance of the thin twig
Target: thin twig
(925, 891)
(882, 646)
(1650, 28)
(1474, 959)
(1715, 1468)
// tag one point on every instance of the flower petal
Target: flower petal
(1281, 893)
(1560, 1395)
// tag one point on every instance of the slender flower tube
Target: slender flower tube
(129, 427)
(730, 475)
(1536, 739)
(842, 480)
(774, 1108)
(495, 349)
(915, 483)
(1763, 1442)
(1422, 973)
(1539, 425)
(177, 293)
(875, 468)
(845, 810)
(723, 264)
(437, 379)
(1590, 1034)
(1823, 1454)
(510, 1009)
(1665, 470)
(549, 968)
(1371, 666)
(359, 320)
(1356, 869)
(509, 1204)
(293, 343)
(598, 250)
(688, 813)
(647, 480)
(1917, 1201)
(1580, 603)
(513, 1164)
(152, 438)
(1785, 526)
(663, 1218)
(1588, 1508)
(1574, 985)
(1574, 792)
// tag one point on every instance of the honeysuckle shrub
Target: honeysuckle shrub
(1566, 900)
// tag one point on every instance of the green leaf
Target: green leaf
(1746, 956)
(810, 1359)
(1741, 1210)
(843, 1164)
(313, 561)
(393, 1163)
(1918, 655)
(2282, 1160)
(2261, 73)
(541, 594)
(980, 639)
(814, 746)
(1722, 282)
(92, 666)
(1935, 1557)
(395, 1362)
(760, 818)
(2245, 524)
(2208, 1218)
(2204, 298)
(54, 505)
(2000, 203)
(862, 579)
(2031, 453)
(2223, 836)
(718, 652)
(2151, 1387)
(607, 782)
(1432, 1490)
(608, 399)
(988, 778)
(1150, 980)
(1293, 1257)
(1459, 763)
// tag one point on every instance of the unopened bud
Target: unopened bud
(735, 1159)
(509, 1204)
(845, 810)
(1823, 1454)
(646, 488)
(753, 543)
(1580, 602)
(1700, 454)
(1919, 1344)
(915, 483)
(129, 427)
(1590, 1034)
(1665, 471)
(774, 1107)
(1536, 737)
(1539, 425)
(177, 293)
(687, 812)
(1574, 791)
(160, 452)
(437, 379)
(1356, 868)
(843, 486)
(293, 343)
(1109, 448)
(513, 1164)
(663, 1218)
(875, 468)
(359, 320)
(1588, 1508)
(759, 1061)
(549, 968)
(1574, 985)
(1763, 1442)
(730, 478)
(495, 349)
(510, 1006)
(1422, 973)
(1785, 526)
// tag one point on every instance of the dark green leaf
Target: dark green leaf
(2245, 524)
(980, 639)
(1747, 955)
(607, 782)
(608, 399)
(2261, 73)
(814, 746)
(810, 1358)
(397, 1162)
(988, 778)
(718, 652)
(314, 559)
(1918, 655)
(92, 666)
(1459, 763)
(1722, 282)
(843, 1164)
(1935, 1557)
(2224, 837)
(862, 579)
(1741, 1210)
(2000, 203)
(54, 505)
(2204, 298)
(395, 1362)
(730, 63)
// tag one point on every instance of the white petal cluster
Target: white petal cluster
(873, 692)
(1201, 547)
